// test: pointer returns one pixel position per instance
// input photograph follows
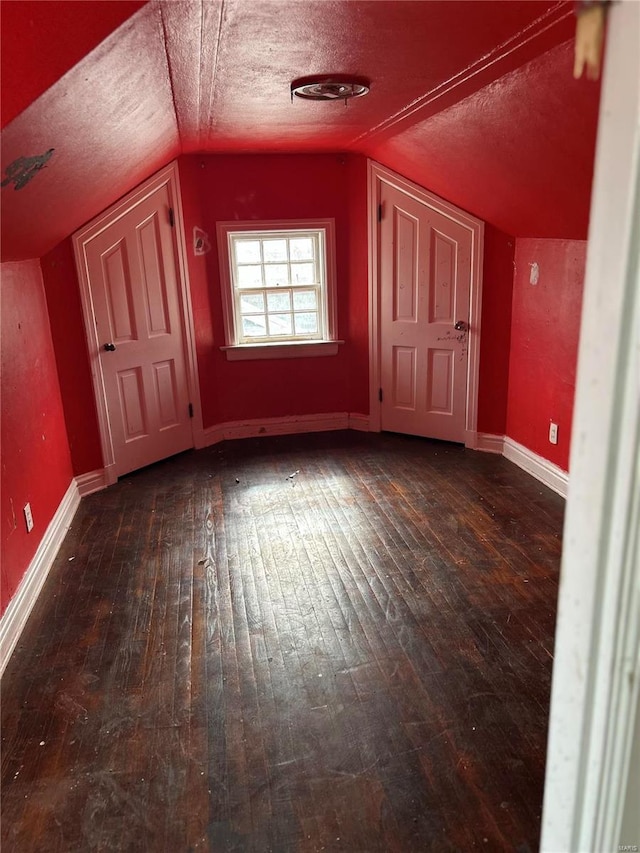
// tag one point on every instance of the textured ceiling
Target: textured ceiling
(118, 89)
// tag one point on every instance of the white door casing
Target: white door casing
(592, 783)
(425, 275)
(132, 270)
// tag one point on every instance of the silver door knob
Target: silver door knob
(461, 326)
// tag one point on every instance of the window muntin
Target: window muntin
(276, 313)
(279, 285)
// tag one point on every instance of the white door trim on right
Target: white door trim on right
(592, 787)
(377, 176)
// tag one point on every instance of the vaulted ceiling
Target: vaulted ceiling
(474, 99)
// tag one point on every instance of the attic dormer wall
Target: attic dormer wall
(223, 187)
(519, 154)
(262, 187)
(36, 465)
(220, 188)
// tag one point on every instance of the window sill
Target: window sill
(297, 349)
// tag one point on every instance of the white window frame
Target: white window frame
(328, 343)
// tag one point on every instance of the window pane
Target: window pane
(279, 291)
(276, 274)
(254, 327)
(250, 276)
(279, 301)
(306, 324)
(301, 249)
(303, 274)
(274, 250)
(247, 251)
(304, 301)
(251, 303)
(280, 324)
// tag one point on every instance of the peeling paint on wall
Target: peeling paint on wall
(24, 169)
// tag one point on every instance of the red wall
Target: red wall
(69, 341)
(358, 328)
(544, 344)
(495, 340)
(271, 187)
(36, 466)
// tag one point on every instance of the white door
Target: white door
(132, 271)
(425, 279)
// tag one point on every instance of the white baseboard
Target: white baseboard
(200, 438)
(358, 422)
(15, 616)
(211, 435)
(489, 443)
(92, 481)
(548, 473)
(276, 426)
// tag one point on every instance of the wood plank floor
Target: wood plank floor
(334, 642)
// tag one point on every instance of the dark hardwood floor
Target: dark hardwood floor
(335, 642)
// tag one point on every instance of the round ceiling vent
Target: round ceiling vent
(329, 88)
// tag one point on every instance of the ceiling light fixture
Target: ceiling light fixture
(329, 88)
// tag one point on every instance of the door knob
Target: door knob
(461, 326)
(109, 347)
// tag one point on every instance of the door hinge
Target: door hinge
(379, 213)
(190, 410)
(172, 219)
(380, 394)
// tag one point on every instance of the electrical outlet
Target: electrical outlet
(28, 517)
(553, 433)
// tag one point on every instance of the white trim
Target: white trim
(329, 312)
(188, 323)
(546, 472)
(489, 443)
(212, 435)
(375, 370)
(276, 426)
(92, 481)
(358, 422)
(15, 616)
(294, 349)
(589, 801)
(377, 176)
(165, 177)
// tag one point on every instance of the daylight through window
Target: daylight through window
(279, 288)
(278, 281)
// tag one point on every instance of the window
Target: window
(278, 288)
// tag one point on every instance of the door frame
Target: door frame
(377, 176)
(169, 177)
(592, 783)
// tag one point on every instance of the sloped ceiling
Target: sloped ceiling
(518, 153)
(118, 89)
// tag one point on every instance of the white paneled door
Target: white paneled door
(135, 292)
(424, 278)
